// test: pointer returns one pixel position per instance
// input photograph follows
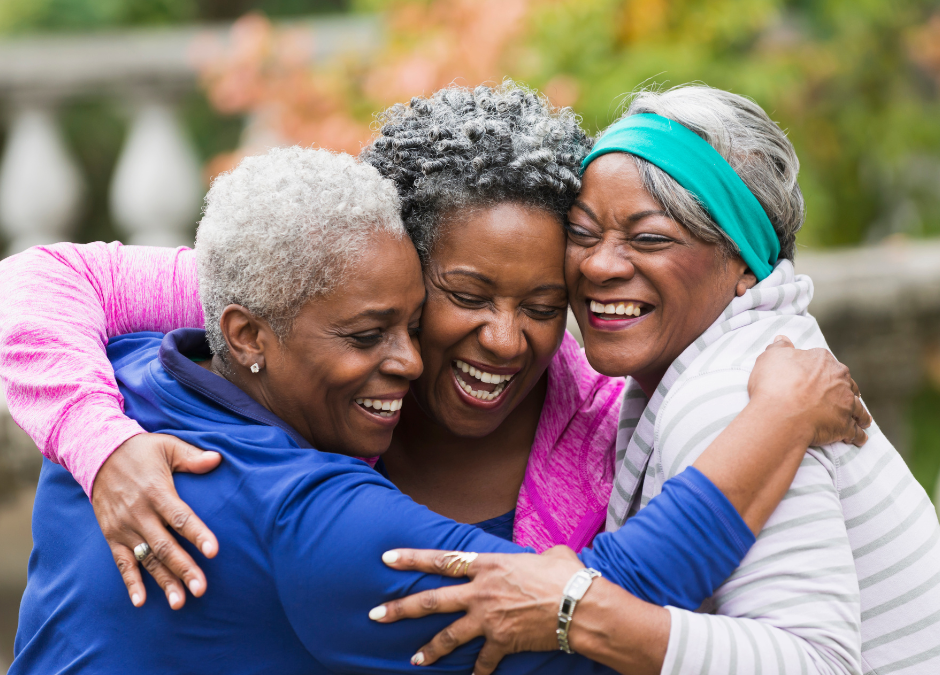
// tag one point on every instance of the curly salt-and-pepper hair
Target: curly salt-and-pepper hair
(282, 228)
(462, 147)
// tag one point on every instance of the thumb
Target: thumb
(781, 341)
(187, 458)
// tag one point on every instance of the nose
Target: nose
(405, 360)
(607, 262)
(502, 335)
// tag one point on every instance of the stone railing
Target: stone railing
(157, 185)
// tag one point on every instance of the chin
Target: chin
(610, 361)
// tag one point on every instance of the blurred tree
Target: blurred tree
(855, 82)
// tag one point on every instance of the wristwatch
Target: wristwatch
(575, 589)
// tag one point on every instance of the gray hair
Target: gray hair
(752, 143)
(462, 147)
(282, 228)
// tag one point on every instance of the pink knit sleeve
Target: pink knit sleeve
(59, 305)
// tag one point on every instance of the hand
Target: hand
(511, 600)
(135, 499)
(814, 390)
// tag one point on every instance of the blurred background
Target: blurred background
(116, 114)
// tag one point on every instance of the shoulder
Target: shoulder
(133, 350)
(740, 346)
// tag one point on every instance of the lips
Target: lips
(381, 408)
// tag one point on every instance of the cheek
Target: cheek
(442, 327)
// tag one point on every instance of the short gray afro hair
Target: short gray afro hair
(463, 148)
(752, 143)
(281, 229)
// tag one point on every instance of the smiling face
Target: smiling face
(495, 314)
(341, 374)
(641, 286)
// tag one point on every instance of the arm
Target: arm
(60, 305)
(793, 604)
(611, 625)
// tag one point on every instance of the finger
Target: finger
(175, 595)
(432, 562)
(127, 566)
(855, 389)
(187, 458)
(433, 601)
(460, 632)
(179, 563)
(860, 437)
(489, 657)
(183, 519)
(781, 341)
(861, 414)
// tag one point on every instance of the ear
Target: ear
(247, 336)
(745, 277)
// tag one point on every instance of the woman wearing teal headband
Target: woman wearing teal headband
(679, 271)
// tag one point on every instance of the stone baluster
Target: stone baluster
(40, 185)
(157, 185)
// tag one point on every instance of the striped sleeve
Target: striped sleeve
(793, 604)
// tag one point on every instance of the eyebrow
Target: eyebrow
(632, 218)
(475, 275)
(486, 280)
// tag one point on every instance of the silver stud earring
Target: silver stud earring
(255, 368)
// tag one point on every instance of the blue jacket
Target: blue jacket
(301, 533)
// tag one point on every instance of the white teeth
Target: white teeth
(618, 309)
(383, 408)
(481, 375)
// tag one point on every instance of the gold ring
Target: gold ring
(458, 558)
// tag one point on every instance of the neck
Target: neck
(467, 479)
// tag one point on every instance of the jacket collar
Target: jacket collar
(175, 350)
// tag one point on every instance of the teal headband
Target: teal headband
(698, 167)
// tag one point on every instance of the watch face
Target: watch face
(579, 586)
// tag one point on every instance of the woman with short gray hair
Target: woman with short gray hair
(688, 210)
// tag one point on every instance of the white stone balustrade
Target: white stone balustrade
(157, 185)
(40, 186)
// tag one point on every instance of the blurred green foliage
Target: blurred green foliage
(925, 439)
(17, 16)
(840, 75)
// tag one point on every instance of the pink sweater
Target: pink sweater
(60, 304)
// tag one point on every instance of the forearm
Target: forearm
(624, 633)
(754, 459)
(58, 307)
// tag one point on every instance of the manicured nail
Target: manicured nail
(390, 557)
(135, 599)
(377, 613)
(174, 599)
(206, 548)
(194, 586)
(417, 659)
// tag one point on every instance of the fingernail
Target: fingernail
(174, 599)
(206, 548)
(417, 659)
(390, 557)
(135, 600)
(377, 613)
(194, 586)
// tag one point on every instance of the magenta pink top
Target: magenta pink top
(60, 304)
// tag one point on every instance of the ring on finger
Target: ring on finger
(458, 559)
(141, 551)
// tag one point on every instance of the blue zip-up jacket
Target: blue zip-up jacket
(301, 533)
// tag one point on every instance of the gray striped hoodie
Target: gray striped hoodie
(845, 576)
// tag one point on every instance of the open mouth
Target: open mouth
(380, 407)
(615, 311)
(480, 384)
